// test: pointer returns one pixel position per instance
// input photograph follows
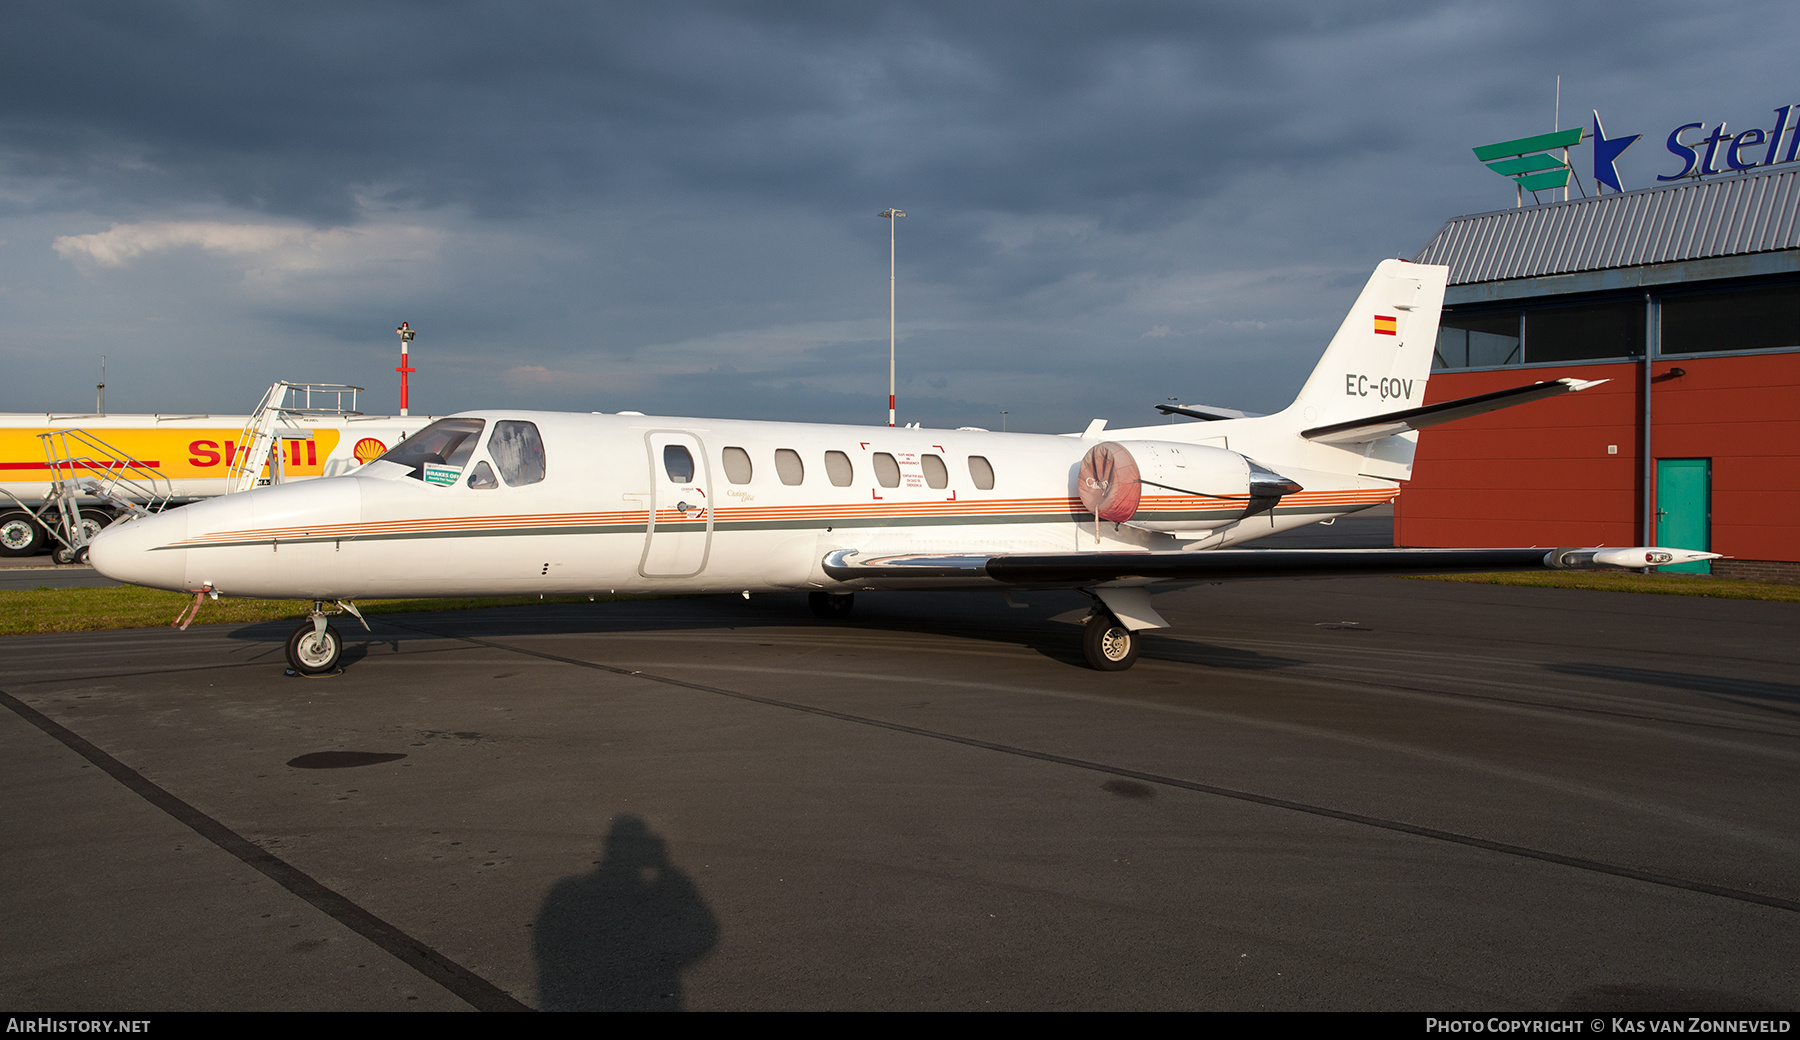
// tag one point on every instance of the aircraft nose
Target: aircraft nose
(135, 551)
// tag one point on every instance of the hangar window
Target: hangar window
(678, 464)
(788, 466)
(518, 452)
(438, 453)
(887, 471)
(1537, 334)
(737, 465)
(1745, 319)
(1477, 340)
(837, 467)
(1612, 329)
(981, 472)
(935, 474)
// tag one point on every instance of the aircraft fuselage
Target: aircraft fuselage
(651, 504)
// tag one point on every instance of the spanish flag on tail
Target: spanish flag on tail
(1386, 325)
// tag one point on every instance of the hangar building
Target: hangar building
(1686, 299)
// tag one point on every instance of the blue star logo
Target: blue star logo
(1605, 152)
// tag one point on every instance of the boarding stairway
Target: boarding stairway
(261, 437)
(83, 466)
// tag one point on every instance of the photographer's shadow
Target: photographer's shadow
(619, 937)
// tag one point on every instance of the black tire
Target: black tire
(93, 522)
(1108, 645)
(831, 606)
(310, 656)
(21, 534)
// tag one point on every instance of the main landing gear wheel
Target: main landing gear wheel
(311, 652)
(1108, 645)
(831, 606)
(20, 534)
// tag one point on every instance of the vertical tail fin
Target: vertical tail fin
(1377, 363)
(1381, 356)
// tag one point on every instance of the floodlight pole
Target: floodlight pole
(893, 217)
(405, 332)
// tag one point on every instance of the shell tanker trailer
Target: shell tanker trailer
(64, 477)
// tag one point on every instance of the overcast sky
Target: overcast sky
(672, 207)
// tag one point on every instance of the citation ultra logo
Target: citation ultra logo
(1542, 163)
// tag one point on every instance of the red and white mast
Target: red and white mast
(405, 333)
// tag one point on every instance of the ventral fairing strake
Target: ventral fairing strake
(491, 503)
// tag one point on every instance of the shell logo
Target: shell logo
(368, 450)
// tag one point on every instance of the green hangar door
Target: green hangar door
(1684, 509)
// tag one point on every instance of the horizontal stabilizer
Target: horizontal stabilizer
(1375, 427)
(1210, 413)
(1079, 569)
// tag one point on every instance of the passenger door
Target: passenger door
(678, 534)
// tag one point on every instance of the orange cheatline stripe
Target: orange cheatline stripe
(971, 508)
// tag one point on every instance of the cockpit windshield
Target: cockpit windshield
(438, 453)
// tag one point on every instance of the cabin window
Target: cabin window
(981, 473)
(438, 453)
(518, 452)
(737, 465)
(481, 477)
(935, 474)
(788, 466)
(887, 471)
(678, 464)
(837, 467)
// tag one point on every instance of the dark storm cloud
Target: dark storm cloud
(672, 205)
(517, 107)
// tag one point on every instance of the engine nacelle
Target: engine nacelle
(1169, 487)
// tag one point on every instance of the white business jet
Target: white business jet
(500, 503)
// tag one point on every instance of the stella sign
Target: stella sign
(1542, 162)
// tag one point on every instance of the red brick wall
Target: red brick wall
(1540, 474)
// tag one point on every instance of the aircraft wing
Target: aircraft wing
(1090, 569)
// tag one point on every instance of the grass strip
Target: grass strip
(128, 606)
(1626, 581)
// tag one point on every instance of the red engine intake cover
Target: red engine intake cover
(1109, 483)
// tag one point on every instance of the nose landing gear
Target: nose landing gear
(315, 648)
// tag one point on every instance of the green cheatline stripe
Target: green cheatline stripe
(1547, 179)
(1526, 164)
(1540, 143)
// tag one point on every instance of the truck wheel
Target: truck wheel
(92, 523)
(20, 534)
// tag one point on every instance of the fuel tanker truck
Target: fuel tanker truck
(64, 477)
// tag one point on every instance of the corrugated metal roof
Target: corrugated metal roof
(1728, 216)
